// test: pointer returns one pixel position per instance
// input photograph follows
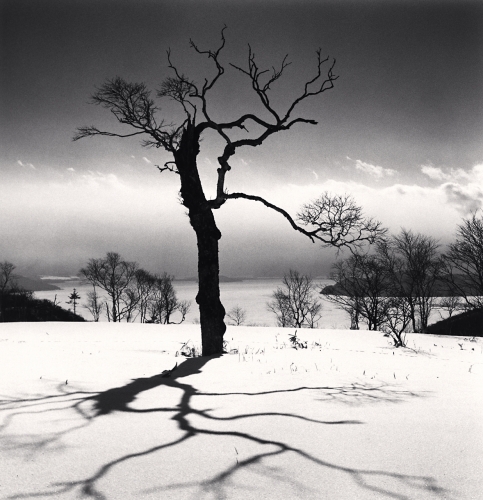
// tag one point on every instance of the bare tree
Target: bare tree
(451, 304)
(237, 315)
(164, 302)
(95, 305)
(115, 276)
(295, 303)
(132, 105)
(361, 289)
(7, 283)
(145, 284)
(7, 278)
(415, 267)
(464, 262)
(398, 319)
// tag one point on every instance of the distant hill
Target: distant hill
(20, 307)
(440, 289)
(34, 285)
(467, 324)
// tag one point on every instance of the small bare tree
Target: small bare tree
(164, 302)
(145, 284)
(95, 305)
(133, 106)
(237, 315)
(7, 278)
(398, 319)
(295, 303)
(7, 283)
(451, 304)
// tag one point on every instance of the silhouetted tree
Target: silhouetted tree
(361, 289)
(464, 262)
(451, 304)
(115, 276)
(415, 266)
(74, 297)
(295, 303)
(145, 284)
(163, 302)
(7, 283)
(132, 105)
(237, 315)
(398, 319)
(94, 304)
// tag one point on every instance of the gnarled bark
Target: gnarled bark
(201, 218)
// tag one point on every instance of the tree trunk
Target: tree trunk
(212, 312)
(201, 217)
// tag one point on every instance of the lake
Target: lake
(251, 295)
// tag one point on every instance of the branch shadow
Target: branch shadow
(92, 406)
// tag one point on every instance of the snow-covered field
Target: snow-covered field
(85, 411)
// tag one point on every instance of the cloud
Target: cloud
(29, 165)
(433, 172)
(463, 189)
(99, 180)
(424, 209)
(70, 169)
(465, 198)
(374, 170)
(436, 173)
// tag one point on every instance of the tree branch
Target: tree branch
(92, 131)
(336, 221)
(232, 196)
(167, 166)
(132, 105)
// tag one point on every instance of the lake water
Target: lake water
(250, 295)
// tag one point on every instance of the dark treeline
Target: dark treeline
(18, 304)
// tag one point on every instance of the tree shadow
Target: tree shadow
(92, 406)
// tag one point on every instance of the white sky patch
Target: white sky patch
(375, 171)
(70, 169)
(26, 165)
(437, 173)
(463, 189)
(422, 209)
(100, 180)
(146, 160)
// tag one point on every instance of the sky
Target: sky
(401, 131)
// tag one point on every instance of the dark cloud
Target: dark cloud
(410, 93)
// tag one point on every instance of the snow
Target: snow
(86, 412)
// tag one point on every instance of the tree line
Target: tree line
(132, 293)
(394, 287)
